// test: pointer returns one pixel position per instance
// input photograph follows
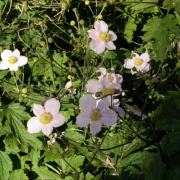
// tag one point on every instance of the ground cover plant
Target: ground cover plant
(89, 90)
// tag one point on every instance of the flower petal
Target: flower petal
(34, 125)
(87, 103)
(6, 54)
(83, 119)
(105, 82)
(113, 36)
(16, 53)
(103, 105)
(110, 45)
(47, 129)
(119, 110)
(93, 34)
(13, 67)
(94, 86)
(95, 127)
(58, 120)
(129, 63)
(145, 57)
(101, 26)
(109, 117)
(4, 65)
(98, 46)
(22, 60)
(52, 105)
(37, 109)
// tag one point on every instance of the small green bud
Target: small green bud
(42, 43)
(50, 40)
(35, 78)
(105, 4)
(72, 23)
(24, 90)
(35, 59)
(73, 70)
(63, 175)
(100, 16)
(20, 99)
(1, 48)
(148, 82)
(178, 65)
(81, 22)
(87, 2)
(64, 5)
(74, 9)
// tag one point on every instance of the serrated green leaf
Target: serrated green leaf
(5, 165)
(17, 111)
(67, 114)
(174, 174)
(74, 162)
(74, 135)
(169, 4)
(34, 156)
(154, 28)
(45, 173)
(167, 115)
(17, 175)
(130, 27)
(155, 169)
(135, 158)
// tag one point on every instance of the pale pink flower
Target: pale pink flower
(114, 78)
(115, 107)
(103, 85)
(12, 60)
(102, 38)
(95, 113)
(46, 118)
(135, 110)
(138, 63)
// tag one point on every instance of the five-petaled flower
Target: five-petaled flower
(138, 63)
(101, 37)
(95, 113)
(12, 60)
(46, 118)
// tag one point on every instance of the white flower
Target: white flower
(12, 60)
(135, 110)
(138, 63)
(46, 118)
(69, 88)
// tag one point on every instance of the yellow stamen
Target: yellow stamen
(12, 59)
(107, 90)
(138, 61)
(104, 36)
(95, 115)
(110, 78)
(45, 118)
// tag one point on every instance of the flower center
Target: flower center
(45, 118)
(95, 115)
(104, 36)
(138, 61)
(12, 59)
(110, 78)
(107, 90)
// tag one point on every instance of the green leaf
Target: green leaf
(74, 162)
(154, 169)
(17, 175)
(153, 30)
(34, 156)
(169, 4)
(74, 135)
(45, 173)
(167, 115)
(5, 165)
(68, 113)
(130, 27)
(135, 158)
(174, 174)
(17, 112)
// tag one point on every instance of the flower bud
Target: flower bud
(87, 2)
(72, 23)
